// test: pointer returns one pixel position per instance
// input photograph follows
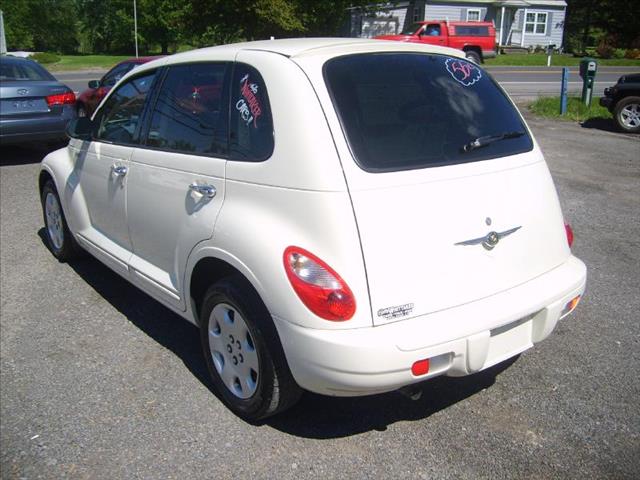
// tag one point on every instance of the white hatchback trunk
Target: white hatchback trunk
(338, 215)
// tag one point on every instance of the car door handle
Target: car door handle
(208, 191)
(119, 170)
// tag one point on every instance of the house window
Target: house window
(473, 15)
(536, 23)
(418, 14)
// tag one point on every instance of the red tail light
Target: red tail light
(318, 286)
(68, 98)
(569, 231)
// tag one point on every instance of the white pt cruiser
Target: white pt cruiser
(338, 215)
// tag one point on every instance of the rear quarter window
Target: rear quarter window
(402, 111)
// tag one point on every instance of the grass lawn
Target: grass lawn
(550, 107)
(540, 59)
(83, 62)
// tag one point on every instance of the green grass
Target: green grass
(540, 59)
(83, 62)
(576, 110)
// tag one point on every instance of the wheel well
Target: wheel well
(473, 49)
(207, 272)
(42, 179)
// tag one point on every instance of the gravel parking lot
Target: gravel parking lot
(99, 381)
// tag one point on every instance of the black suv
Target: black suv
(623, 101)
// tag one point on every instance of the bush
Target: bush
(45, 57)
(604, 49)
(619, 53)
(633, 54)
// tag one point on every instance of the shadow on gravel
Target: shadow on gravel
(23, 155)
(315, 416)
(599, 123)
(319, 417)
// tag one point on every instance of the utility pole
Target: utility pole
(135, 25)
(3, 40)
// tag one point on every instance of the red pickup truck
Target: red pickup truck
(476, 39)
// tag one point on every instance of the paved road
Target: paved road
(101, 382)
(520, 82)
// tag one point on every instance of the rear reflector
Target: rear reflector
(421, 367)
(68, 98)
(569, 231)
(570, 307)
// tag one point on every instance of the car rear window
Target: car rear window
(23, 71)
(402, 111)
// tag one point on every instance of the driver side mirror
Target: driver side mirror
(94, 84)
(80, 128)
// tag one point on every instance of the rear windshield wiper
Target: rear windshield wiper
(484, 141)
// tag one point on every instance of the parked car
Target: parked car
(623, 101)
(35, 107)
(89, 99)
(344, 216)
(476, 39)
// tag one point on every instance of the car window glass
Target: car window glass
(23, 71)
(416, 110)
(191, 113)
(251, 123)
(112, 77)
(119, 117)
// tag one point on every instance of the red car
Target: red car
(89, 100)
(476, 39)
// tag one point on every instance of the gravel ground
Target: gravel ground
(99, 381)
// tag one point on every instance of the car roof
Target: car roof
(298, 47)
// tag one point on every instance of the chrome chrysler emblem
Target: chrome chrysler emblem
(22, 91)
(490, 240)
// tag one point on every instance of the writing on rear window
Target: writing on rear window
(249, 105)
(463, 72)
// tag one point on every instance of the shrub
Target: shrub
(632, 54)
(45, 57)
(604, 49)
(619, 53)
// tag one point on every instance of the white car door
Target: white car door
(103, 169)
(176, 181)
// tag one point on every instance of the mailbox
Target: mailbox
(588, 70)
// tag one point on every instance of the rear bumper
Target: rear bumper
(489, 54)
(458, 341)
(34, 129)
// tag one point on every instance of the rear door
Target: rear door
(452, 200)
(176, 184)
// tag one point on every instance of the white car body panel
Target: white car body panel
(390, 236)
(155, 190)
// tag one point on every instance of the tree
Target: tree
(42, 25)
(107, 25)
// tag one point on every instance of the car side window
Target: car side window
(191, 111)
(251, 129)
(112, 77)
(119, 118)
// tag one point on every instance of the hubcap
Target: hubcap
(233, 351)
(54, 221)
(630, 115)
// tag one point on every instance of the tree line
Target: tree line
(106, 26)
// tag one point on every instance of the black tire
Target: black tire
(473, 56)
(273, 388)
(59, 238)
(627, 114)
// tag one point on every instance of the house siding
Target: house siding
(555, 28)
(394, 19)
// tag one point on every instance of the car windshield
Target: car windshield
(411, 29)
(414, 110)
(22, 71)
